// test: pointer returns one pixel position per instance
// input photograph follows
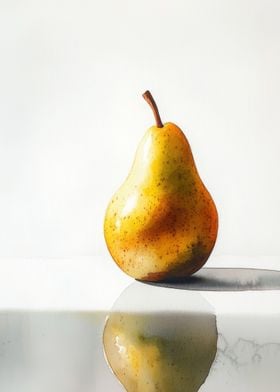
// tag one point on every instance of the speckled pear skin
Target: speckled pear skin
(162, 222)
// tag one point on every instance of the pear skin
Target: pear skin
(162, 223)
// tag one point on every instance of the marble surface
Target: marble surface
(53, 312)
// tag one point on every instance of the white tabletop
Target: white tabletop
(91, 283)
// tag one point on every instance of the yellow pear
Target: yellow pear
(162, 222)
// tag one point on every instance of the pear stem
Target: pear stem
(149, 98)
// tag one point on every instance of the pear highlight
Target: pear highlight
(162, 223)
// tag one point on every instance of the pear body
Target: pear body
(162, 222)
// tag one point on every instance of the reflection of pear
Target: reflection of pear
(162, 222)
(155, 349)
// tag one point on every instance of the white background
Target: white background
(71, 114)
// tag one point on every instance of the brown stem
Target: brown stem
(149, 98)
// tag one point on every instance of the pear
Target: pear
(162, 222)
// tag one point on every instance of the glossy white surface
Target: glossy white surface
(60, 284)
(53, 351)
(48, 341)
